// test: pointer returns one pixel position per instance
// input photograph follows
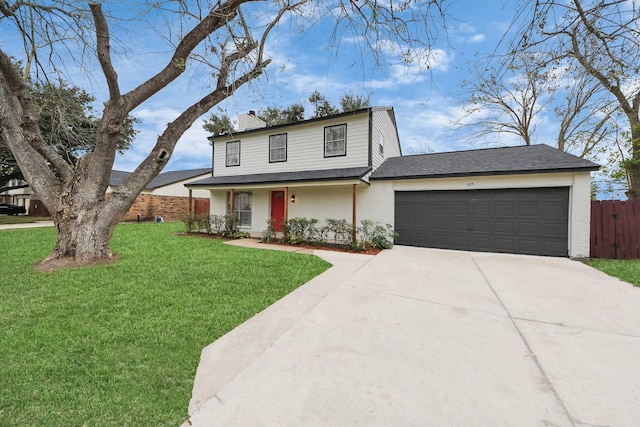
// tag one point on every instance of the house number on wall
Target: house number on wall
(471, 184)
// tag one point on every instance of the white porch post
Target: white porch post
(354, 212)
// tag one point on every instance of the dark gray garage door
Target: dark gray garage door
(520, 221)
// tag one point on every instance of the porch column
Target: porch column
(232, 197)
(190, 202)
(286, 203)
(354, 212)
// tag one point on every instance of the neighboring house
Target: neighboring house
(17, 192)
(165, 196)
(526, 199)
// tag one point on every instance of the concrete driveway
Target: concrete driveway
(425, 337)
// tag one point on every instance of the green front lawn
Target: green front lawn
(118, 345)
(627, 270)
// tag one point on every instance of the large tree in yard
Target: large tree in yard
(601, 39)
(228, 36)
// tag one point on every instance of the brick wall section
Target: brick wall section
(149, 206)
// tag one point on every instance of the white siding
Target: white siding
(580, 216)
(322, 203)
(376, 202)
(384, 127)
(305, 148)
(218, 205)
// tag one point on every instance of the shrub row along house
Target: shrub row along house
(524, 200)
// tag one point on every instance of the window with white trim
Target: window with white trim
(278, 148)
(381, 144)
(233, 153)
(241, 206)
(335, 141)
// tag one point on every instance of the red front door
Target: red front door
(277, 209)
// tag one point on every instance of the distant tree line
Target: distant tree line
(219, 124)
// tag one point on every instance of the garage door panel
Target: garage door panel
(528, 228)
(529, 210)
(439, 224)
(503, 210)
(437, 208)
(554, 210)
(458, 225)
(553, 229)
(553, 247)
(501, 226)
(458, 209)
(481, 226)
(505, 244)
(485, 242)
(439, 240)
(527, 221)
(458, 241)
(480, 209)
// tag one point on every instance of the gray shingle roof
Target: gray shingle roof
(490, 161)
(117, 177)
(272, 178)
(165, 178)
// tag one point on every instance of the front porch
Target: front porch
(257, 205)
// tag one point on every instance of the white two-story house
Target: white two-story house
(316, 168)
(526, 199)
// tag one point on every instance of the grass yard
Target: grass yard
(627, 270)
(118, 345)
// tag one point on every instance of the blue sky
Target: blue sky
(426, 102)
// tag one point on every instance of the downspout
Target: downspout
(370, 137)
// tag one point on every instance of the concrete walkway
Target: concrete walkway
(415, 337)
(26, 225)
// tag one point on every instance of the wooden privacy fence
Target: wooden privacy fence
(201, 206)
(615, 229)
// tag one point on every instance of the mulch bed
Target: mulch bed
(330, 247)
(326, 246)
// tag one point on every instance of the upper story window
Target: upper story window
(233, 153)
(278, 148)
(335, 141)
(381, 145)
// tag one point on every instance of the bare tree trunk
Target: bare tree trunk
(633, 165)
(82, 239)
(85, 223)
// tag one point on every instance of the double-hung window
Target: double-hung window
(335, 141)
(233, 153)
(241, 207)
(278, 148)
